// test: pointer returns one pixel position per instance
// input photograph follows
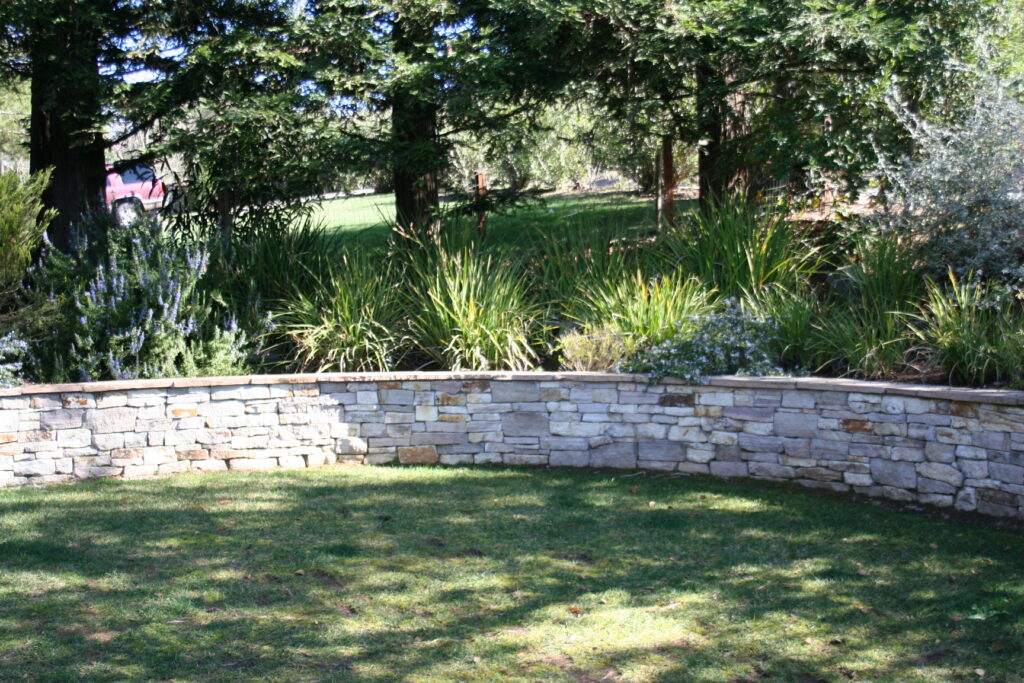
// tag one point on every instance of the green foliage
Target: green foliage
(468, 311)
(974, 339)
(130, 305)
(794, 312)
(725, 342)
(12, 353)
(579, 257)
(740, 248)
(250, 162)
(348, 321)
(594, 349)
(22, 223)
(643, 311)
(865, 342)
(863, 329)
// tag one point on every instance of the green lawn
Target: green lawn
(389, 574)
(370, 217)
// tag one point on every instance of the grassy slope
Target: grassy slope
(377, 574)
(368, 218)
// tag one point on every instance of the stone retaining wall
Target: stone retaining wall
(933, 445)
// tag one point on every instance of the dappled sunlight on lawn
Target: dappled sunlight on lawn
(377, 574)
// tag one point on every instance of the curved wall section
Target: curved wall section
(933, 445)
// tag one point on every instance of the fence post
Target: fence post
(480, 191)
(668, 185)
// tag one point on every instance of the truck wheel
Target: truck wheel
(127, 212)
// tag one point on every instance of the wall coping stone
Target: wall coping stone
(926, 391)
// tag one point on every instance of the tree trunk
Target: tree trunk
(714, 178)
(416, 153)
(64, 128)
(668, 185)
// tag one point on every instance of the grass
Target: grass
(367, 219)
(419, 574)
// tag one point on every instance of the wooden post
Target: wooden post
(480, 192)
(668, 185)
(658, 194)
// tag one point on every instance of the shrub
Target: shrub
(12, 352)
(347, 321)
(794, 312)
(862, 341)
(642, 311)
(740, 247)
(961, 195)
(22, 224)
(593, 350)
(973, 338)
(863, 330)
(578, 258)
(130, 306)
(730, 341)
(469, 312)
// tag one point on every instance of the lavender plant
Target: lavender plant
(132, 307)
(727, 342)
(962, 194)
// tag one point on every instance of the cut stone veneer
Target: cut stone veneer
(933, 445)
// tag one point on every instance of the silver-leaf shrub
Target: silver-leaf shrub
(961, 194)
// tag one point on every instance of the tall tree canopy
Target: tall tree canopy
(78, 56)
(769, 89)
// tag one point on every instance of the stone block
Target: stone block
(766, 470)
(661, 450)
(61, 419)
(140, 470)
(397, 397)
(934, 486)
(855, 479)
(350, 446)
(34, 468)
(938, 471)
(292, 462)
(687, 434)
(252, 464)
(890, 473)
(1008, 474)
(939, 452)
(97, 471)
(615, 455)
(515, 392)
(569, 459)
(240, 393)
(797, 399)
(417, 455)
(729, 469)
(651, 431)
(426, 413)
(438, 439)
(800, 425)
(936, 499)
(761, 444)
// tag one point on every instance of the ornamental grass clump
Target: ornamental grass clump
(349, 321)
(468, 311)
(973, 337)
(730, 341)
(739, 248)
(862, 330)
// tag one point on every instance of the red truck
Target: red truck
(132, 190)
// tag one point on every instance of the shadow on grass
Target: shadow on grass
(387, 574)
